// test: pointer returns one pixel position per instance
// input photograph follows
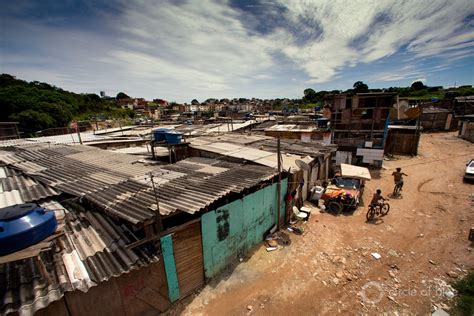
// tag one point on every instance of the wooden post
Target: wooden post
(17, 132)
(78, 132)
(152, 145)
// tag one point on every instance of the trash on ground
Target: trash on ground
(271, 243)
(392, 253)
(276, 239)
(295, 230)
(376, 255)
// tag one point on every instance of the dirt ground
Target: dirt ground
(330, 268)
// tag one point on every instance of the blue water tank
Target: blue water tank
(24, 225)
(322, 122)
(159, 134)
(173, 137)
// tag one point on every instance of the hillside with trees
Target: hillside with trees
(39, 106)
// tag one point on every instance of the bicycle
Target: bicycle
(381, 209)
(397, 189)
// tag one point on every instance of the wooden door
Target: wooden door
(187, 246)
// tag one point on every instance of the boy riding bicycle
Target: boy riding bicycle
(377, 199)
(398, 177)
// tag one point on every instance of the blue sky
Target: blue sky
(180, 50)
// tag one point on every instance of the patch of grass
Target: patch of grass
(465, 301)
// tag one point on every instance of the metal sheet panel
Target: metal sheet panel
(231, 231)
(170, 267)
(10, 198)
(252, 153)
(355, 171)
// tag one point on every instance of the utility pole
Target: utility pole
(78, 132)
(279, 181)
(159, 223)
(16, 131)
(417, 127)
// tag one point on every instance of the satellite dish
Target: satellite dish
(302, 165)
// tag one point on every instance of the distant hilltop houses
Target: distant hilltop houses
(159, 107)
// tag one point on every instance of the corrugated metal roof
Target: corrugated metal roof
(118, 185)
(10, 198)
(91, 250)
(292, 128)
(258, 156)
(199, 189)
(210, 129)
(16, 188)
(241, 139)
(262, 149)
(57, 139)
(199, 186)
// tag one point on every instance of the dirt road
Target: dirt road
(330, 269)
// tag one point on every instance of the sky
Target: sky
(180, 50)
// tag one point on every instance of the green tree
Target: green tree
(121, 95)
(309, 95)
(37, 106)
(31, 120)
(418, 85)
(360, 87)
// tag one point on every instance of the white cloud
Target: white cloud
(263, 77)
(202, 45)
(199, 49)
(427, 29)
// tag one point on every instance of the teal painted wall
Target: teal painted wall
(170, 267)
(231, 231)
